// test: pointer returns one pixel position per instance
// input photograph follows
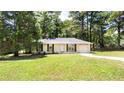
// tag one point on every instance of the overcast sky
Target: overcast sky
(64, 15)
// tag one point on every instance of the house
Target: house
(64, 45)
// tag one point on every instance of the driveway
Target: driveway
(102, 57)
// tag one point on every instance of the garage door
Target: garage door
(83, 48)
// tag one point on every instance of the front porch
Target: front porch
(59, 48)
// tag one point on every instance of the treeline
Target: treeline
(104, 29)
(21, 30)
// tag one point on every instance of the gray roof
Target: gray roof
(63, 41)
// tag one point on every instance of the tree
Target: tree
(45, 23)
(90, 25)
(78, 20)
(24, 23)
(117, 21)
(56, 25)
(50, 24)
(101, 22)
(68, 29)
(20, 30)
(6, 32)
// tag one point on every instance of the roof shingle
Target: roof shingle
(63, 41)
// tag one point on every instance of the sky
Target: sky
(64, 15)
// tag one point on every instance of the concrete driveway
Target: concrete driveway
(102, 57)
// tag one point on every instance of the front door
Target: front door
(71, 48)
(50, 48)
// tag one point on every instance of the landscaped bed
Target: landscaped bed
(110, 53)
(60, 67)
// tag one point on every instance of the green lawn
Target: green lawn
(110, 53)
(61, 67)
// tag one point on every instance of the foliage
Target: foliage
(50, 24)
(19, 30)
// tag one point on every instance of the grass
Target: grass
(110, 53)
(61, 67)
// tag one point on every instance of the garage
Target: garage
(83, 48)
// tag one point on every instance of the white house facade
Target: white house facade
(64, 45)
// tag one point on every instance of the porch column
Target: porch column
(66, 47)
(47, 47)
(53, 48)
(41, 47)
(75, 47)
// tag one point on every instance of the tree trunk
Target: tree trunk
(101, 39)
(90, 33)
(87, 25)
(37, 47)
(82, 26)
(30, 49)
(91, 26)
(119, 46)
(16, 53)
(119, 37)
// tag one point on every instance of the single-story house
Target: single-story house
(64, 45)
